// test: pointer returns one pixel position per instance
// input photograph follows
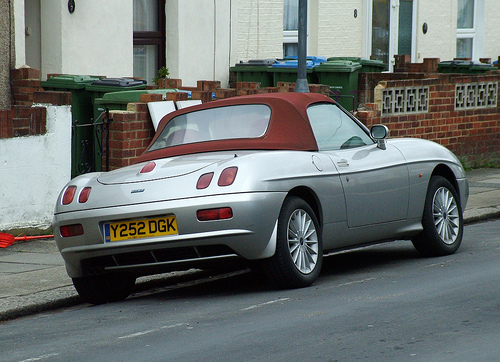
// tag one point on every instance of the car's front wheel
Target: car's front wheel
(442, 220)
(299, 250)
(104, 288)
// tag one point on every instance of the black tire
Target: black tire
(442, 220)
(298, 258)
(104, 288)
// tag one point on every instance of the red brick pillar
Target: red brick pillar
(130, 134)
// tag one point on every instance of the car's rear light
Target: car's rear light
(69, 194)
(214, 214)
(227, 176)
(84, 195)
(71, 230)
(204, 181)
(148, 167)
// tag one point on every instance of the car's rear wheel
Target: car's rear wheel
(442, 220)
(104, 288)
(299, 250)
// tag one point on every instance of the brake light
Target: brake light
(69, 194)
(84, 195)
(204, 181)
(71, 230)
(227, 176)
(214, 214)
(148, 167)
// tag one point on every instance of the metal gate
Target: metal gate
(89, 142)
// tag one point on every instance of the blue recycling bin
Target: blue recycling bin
(286, 69)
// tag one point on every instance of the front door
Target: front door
(391, 29)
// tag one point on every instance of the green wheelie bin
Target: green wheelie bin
(342, 77)
(82, 117)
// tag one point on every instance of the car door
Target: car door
(375, 181)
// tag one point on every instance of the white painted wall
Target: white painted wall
(440, 40)
(94, 40)
(491, 29)
(33, 170)
(199, 38)
(339, 33)
(206, 37)
(259, 29)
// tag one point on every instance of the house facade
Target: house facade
(201, 39)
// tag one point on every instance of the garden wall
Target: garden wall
(459, 111)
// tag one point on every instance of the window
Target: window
(405, 27)
(470, 25)
(223, 123)
(334, 129)
(149, 38)
(465, 28)
(290, 28)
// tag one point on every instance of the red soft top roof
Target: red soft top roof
(289, 127)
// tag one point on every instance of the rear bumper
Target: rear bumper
(249, 234)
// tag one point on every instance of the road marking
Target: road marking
(355, 282)
(139, 334)
(264, 304)
(41, 357)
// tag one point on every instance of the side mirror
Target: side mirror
(379, 133)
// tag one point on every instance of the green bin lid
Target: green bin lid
(351, 59)
(128, 96)
(116, 84)
(465, 64)
(257, 63)
(363, 61)
(69, 81)
(338, 66)
(134, 95)
(373, 63)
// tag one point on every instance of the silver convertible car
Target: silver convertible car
(273, 181)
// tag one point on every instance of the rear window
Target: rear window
(223, 123)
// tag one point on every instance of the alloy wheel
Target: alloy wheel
(446, 215)
(303, 241)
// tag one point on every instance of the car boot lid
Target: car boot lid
(161, 169)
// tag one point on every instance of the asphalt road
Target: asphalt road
(382, 303)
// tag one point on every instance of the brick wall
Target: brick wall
(130, 132)
(472, 134)
(22, 119)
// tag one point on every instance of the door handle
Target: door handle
(343, 163)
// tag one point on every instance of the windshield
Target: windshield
(231, 122)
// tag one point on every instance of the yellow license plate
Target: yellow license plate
(145, 228)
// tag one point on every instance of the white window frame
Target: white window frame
(476, 33)
(292, 36)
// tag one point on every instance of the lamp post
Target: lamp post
(301, 85)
